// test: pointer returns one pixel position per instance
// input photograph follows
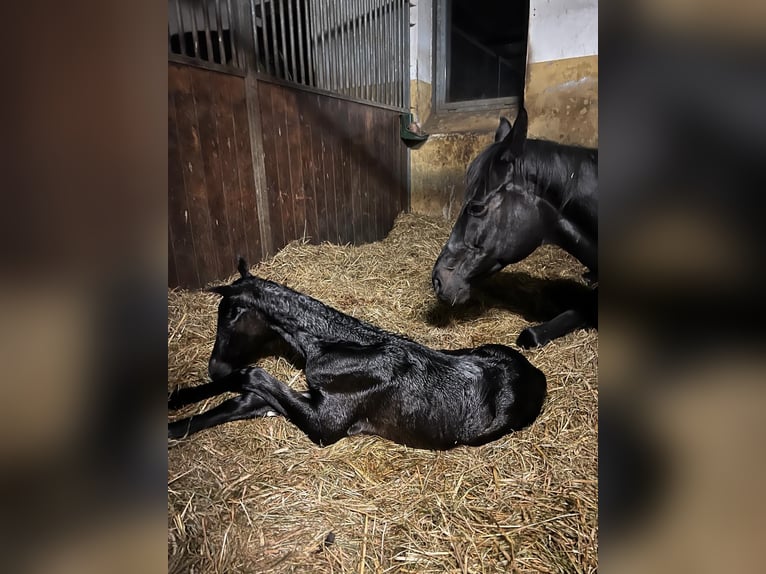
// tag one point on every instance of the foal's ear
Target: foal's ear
(222, 290)
(243, 268)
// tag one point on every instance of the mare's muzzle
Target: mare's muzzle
(448, 285)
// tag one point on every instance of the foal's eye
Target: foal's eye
(477, 209)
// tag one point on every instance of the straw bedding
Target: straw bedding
(258, 496)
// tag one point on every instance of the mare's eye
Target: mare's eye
(477, 209)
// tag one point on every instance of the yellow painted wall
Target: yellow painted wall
(561, 97)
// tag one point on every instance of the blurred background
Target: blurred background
(83, 287)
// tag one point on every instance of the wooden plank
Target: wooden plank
(255, 131)
(231, 187)
(282, 159)
(172, 273)
(348, 206)
(179, 203)
(294, 159)
(306, 110)
(248, 199)
(329, 165)
(371, 163)
(205, 84)
(326, 227)
(269, 127)
(194, 178)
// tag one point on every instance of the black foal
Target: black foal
(361, 379)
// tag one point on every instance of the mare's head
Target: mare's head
(240, 327)
(500, 222)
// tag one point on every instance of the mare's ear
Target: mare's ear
(503, 129)
(243, 268)
(515, 138)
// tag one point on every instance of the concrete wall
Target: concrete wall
(561, 97)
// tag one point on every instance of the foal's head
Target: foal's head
(241, 328)
(500, 222)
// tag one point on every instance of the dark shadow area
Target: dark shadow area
(536, 299)
(634, 468)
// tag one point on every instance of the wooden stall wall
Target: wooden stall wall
(331, 170)
(335, 170)
(212, 213)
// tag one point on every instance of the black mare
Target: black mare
(360, 378)
(521, 193)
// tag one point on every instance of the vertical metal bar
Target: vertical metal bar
(292, 39)
(301, 31)
(389, 50)
(322, 43)
(286, 74)
(311, 44)
(206, 23)
(378, 51)
(195, 40)
(399, 52)
(407, 47)
(357, 52)
(336, 71)
(332, 71)
(181, 32)
(219, 31)
(233, 35)
(275, 49)
(367, 49)
(343, 46)
(265, 30)
(254, 27)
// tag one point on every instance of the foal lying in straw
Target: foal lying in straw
(361, 379)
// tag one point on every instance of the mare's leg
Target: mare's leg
(559, 326)
(231, 383)
(246, 406)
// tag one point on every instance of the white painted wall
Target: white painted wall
(421, 40)
(560, 29)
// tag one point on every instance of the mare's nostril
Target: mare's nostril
(437, 284)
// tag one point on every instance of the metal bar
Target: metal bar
(219, 31)
(254, 28)
(292, 39)
(301, 30)
(331, 51)
(322, 39)
(181, 33)
(233, 36)
(357, 52)
(336, 53)
(407, 85)
(367, 48)
(397, 45)
(345, 84)
(208, 40)
(389, 52)
(195, 40)
(359, 48)
(312, 44)
(286, 73)
(400, 48)
(275, 49)
(378, 51)
(265, 28)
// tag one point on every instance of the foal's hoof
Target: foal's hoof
(527, 339)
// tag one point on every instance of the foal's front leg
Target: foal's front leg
(301, 409)
(246, 406)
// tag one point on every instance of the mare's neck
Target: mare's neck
(572, 240)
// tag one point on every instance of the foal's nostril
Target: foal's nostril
(437, 284)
